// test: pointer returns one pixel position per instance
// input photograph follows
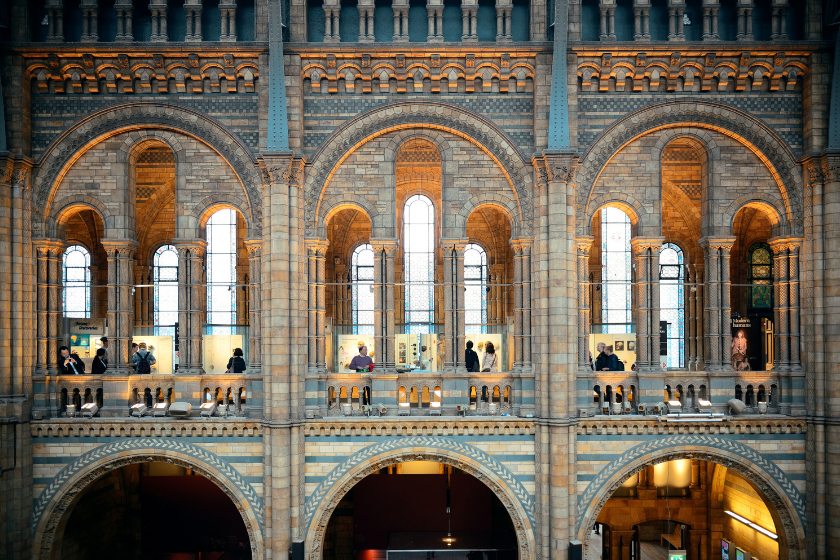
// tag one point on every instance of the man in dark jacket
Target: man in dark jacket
(602, 362)
(612, 359)
(70, 364)
(471, 358)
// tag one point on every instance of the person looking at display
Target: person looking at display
(104, 341)
(611, 360)
(470, 357)
(143, 360)
(362, 362)
(237, 363)
(602, 361)
(70, 364)
(491, 359)
(100, 364)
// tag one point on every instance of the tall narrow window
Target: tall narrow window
(221, 272)
(419, 265)
(76, 280)
(475, 280)
(672, 301)
(615, 270)
(363, 303)
(760, 276)
(166, 290)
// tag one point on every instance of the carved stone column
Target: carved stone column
(192, 9)
(745, 9)
(781, 304)
(120, 304)
(125, 26)
(137, 292)
(699, 317)
(228, 13)
(503, 24)
(400, 9)
(366, 32)
(384, 251)
(641, 20)
(453, 303)
(55, 21)
(676, 9)
(607, 8)
(794, 300)
(159, 13)
(469, 13)
(191, 303)
(90, 23)
(717, 310)
(778, 22)
(316, 251)
(710, 20)
(253, 380)
(646, 258)
(518, 326)
(434, 12)
(584, 246)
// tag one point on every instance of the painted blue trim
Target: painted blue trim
(649, 437)
(108, 439)
(558, 118)
(278, 128)
(834, 111)
(479, 438)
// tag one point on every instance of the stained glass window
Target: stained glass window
(166, 290)
(761, 276)
(419, 263)
(475, 280)
(76, 282)
(672, 301)
(221, 272)
(363, 302)
(615, 271)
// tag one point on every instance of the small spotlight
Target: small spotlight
(71, 411)
(180, 409)
(207, 409)
(160, 409)
(138, 410)
(89, 410)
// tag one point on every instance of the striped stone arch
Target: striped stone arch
(325, 498)
(784, 499)
(145, 118)
(686, 115)
(61, 493)
(426, 115)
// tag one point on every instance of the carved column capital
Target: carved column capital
(458, 244)
(49, 246)
(116, 248)
(254, 247)
(555, 166)
(390, 246)
(317, 246)
(285, 168)
(712, 243)
(584, 244)
(785, 243)
(641, 244)
(196, 247)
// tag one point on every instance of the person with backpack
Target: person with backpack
(613, 362)
(471, 358)
(143, 360)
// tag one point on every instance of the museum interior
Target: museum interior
(414, 279)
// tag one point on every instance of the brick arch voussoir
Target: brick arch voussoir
(498, 200)
(64, 208)
(57, 499)
(772, 207)
(109, 122)
(782, 496)
(138, 140)
(202, 211)
(410, 115)
(325, 498)
(339, 202)
(738, 125)
(436, 137)
(698, 136)
(633, 208)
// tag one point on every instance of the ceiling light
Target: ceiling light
(755, 526)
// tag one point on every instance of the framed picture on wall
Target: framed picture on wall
(631, 345)
(619, 346)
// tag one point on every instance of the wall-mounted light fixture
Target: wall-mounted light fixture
(755, 526)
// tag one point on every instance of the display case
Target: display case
(346, 346)
(162, 348)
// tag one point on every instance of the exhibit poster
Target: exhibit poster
(348, 347)
(724, 549)
(161, 348)
(419, 352)
(746, 347)
(80, 344)
(480, 342)
(218, 350)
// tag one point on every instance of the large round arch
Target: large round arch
(785, 502)
(684, 116)
(75, 141)
(324, 500)
(427, 115)
(52, 507)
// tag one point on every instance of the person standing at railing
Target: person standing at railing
(491, 359)
(471, 358)
(237, 363)
(100, 364)
(70, 364)
(362, 362)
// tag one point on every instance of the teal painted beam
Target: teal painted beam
(278, 122)
(558, 117)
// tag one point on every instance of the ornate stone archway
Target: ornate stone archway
(779, 492)
(61, 493)
(516, 499)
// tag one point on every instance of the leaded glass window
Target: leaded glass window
(760, 275)
(419, 263)
(475, 298)
(76, 282)
(166, 290)
(362, 277)
(672, 301)
(221, 272)
(615, 270)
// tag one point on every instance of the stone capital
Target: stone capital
(640, 244)
(282, 167)
(458, 244)
(555, 166)
(389, 245)
(119, 247)
(522, 245)
(45, 246)
(196, 246)
(317, 246)
(711, 243)
(785, 243)
(584, 244)
(253, 246)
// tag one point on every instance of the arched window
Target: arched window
(475, 279)
(672, 301)
(221, 272)
(166, 290)
(76, 282)
(760, 276)
(615, 270)
(362, 271)
(419, 263)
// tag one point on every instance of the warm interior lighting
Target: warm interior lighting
(448, 539)
(755, 526)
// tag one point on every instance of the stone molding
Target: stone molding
(501, 481)
(409, 114)
(71, 72)
(777, 489)
(714, 71)
(113, 120)
(511, 70)
(652, 426)
(686, 114)
(146, 427)
(418, 426)
(58, 496)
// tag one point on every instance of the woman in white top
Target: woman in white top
(491, 359)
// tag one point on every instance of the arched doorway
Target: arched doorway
(117, 476)
(468, 460)
(709, 495)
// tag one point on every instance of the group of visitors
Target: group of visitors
(606, 360)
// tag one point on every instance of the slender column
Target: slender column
(699, 325)
(191, 303)
(744, 32)
(469, 13)
(527, 245)
(646, 252)
(518, 345)
(254, 247)
(137, 294)
(316, 250)
(228, 10)
(690, 310)
(89, 9)
(385, 251)
(718, 312)
(795, 310)
(159, 14)
(781, 304)
(124, 9)
(120, 305)
(503, 11)
(453, 303)
(584, 246)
